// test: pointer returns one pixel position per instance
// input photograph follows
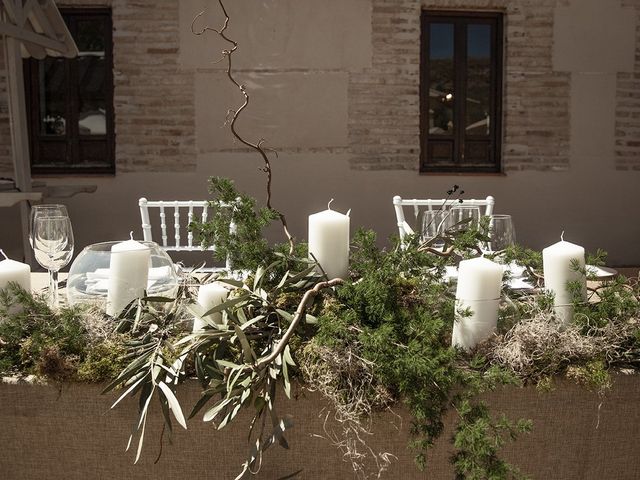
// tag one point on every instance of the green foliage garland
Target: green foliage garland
(62, 345)
(380, 338)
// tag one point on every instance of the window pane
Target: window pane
(72, 100)
(478, 109)
(90, 35)
(441, 78)
(52, 84)
(91, 77)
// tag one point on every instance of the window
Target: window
(70, 101)
(460, 92)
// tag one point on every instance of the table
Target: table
(68, 432)
(40, 281)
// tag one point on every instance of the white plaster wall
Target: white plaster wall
(595, 205)
(284, 34)
(597, 208)
(288, 110)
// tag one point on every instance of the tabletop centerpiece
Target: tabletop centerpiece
(366, 327)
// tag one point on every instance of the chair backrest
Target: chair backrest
(181, 213)
(432, 204)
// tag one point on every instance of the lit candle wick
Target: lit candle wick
(131, 234)
(562, 236)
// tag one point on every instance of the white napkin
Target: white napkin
(98, 280)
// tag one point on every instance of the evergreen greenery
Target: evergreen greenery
(245, 246)
(381, 337)
(59, 345)
(400, 320)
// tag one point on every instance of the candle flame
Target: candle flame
(329, 204)
(131, 234)
(562, 236)
(4, 254)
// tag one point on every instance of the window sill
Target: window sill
(59, 172)
(464, 174)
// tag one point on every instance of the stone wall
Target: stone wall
(334, 88)
(6, 165)
(627, 127)
(154, 106)
(170, 98)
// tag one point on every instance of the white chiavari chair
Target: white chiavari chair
(173, 218)
(419, 205)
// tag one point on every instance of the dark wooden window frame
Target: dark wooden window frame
(459, 19)
(74, 163)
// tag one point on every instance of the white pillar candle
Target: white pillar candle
(479, 284)
(12, 271)
(559, 263)
(210, 295)
(128, 274)
(329, 242)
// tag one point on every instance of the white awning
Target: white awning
(39, 27)
(30, 28)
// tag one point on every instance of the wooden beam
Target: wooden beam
(18, 13)
(40, 21)
(8, 199)
(11, 31)
(19, 133)
(52, 14)
(33, 50)
(28, 7)
(10, 10)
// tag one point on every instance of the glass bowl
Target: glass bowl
(91, 277)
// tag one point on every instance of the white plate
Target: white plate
(516, 281)
(520, 284)
(450, 272)
(601, 272)
(514, 269)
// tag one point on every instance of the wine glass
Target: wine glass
(464, 217)
(45, 210)
(502, 233)
(53, 248)
(434, 224)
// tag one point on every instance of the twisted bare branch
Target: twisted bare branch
(234, 114)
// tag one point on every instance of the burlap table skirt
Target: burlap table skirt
(48, 432)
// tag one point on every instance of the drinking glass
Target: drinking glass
(45, 210)
(464, 217)
(53, 248)
(501, 232)
(434, 224)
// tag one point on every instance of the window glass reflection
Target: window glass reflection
(91, 77)
(53, 96)
(441, 78)
(478, 101)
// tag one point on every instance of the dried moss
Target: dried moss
(66, 345)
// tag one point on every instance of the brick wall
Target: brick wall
(155, 116)
(384, 103)
(154, 96)
(384, 111)
(627, 133)
(5, 133)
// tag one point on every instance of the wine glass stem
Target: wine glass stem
(53, 288)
